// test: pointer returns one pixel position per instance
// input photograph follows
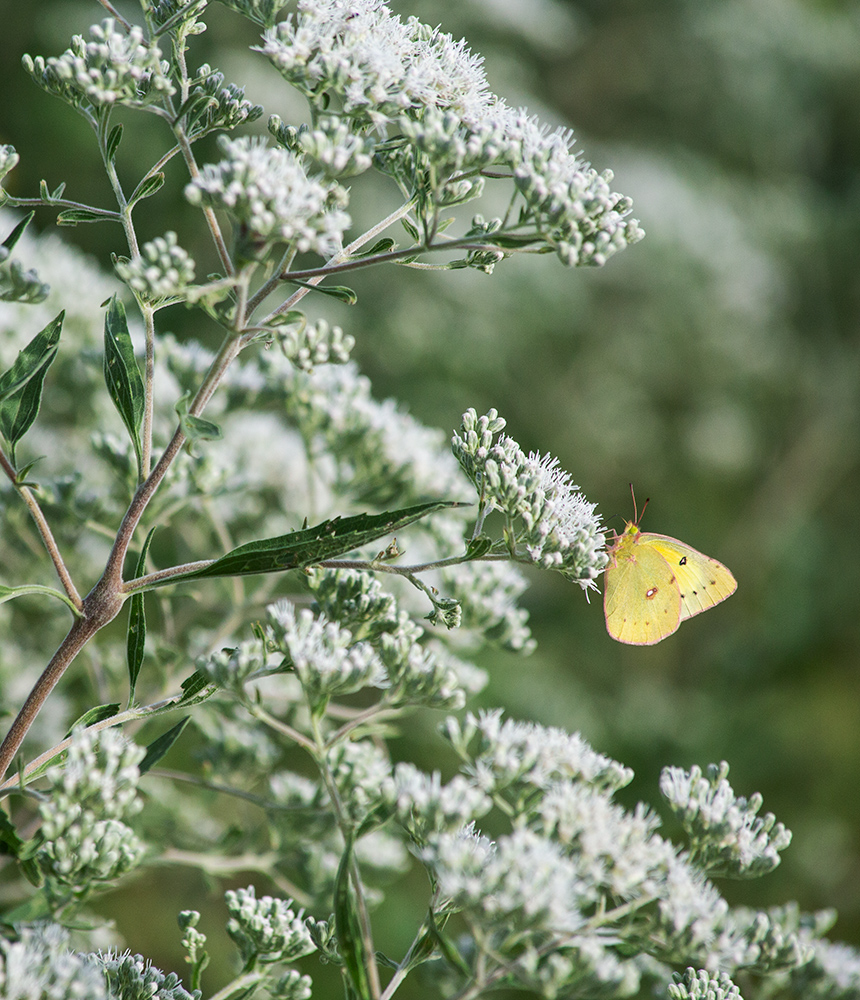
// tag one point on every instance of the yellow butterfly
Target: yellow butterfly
(654, 582)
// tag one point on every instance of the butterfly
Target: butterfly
(653, 582)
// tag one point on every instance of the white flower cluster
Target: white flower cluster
(239, 664)
(9, 159)
(520, 883)
(308, 345)
(572, 205)
(362, 773)
(405, 76)
(376, 64)
(425, 807)
(268, 192)
(766, 940)
(617, 850)
(132, 976)
(417, 674)
(325, 657)
(701, 985)
(832, 974)
(510, 754)
(18, 284)
(84, 838)
(727, 836)
(115, 67)
(337, 149)
(161, 273)
(292, 985)
(41, 966)
(266, 929)
(216, 106)
(549, 523)
(488, 593)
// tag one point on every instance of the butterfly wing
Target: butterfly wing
(703, 581)
(641, 599)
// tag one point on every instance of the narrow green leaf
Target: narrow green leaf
(413, 232)
(147, 188)
(293, 316)
(72, 216)
(350, 940)
(339, 292)
(21, 385)
(159, 747)
(122, 375)
(510, 240)
(311, 545)
(8, 593)
(381, 246)
(93, 716)
(137, 624)
(16, 233)
(114, 139)
(449, 951)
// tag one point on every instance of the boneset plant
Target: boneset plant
(391, 559)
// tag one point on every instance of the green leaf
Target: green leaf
(193, 427)
(381, 246)
(10, 842)
(137, 624)
(289, 318)
(92, 717)
(478, 547)
(195, 688)
(159, 747)
(21, 385)
(122, 375)
(449, 951)
(339, 292)
(8, 593)
(147, 188)
(16, 233)
(350, 940)
(510, 240)
(72, 216)
(113, 142)
(413, 232)
(311, 545)
(32, 910)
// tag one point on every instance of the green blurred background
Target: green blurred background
(715, 366)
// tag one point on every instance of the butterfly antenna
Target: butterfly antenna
(638, 514)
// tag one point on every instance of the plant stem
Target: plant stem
(44, 530)
(82, 630)
(327, 268)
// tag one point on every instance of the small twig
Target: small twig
(44, 530)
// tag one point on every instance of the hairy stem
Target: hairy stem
(44, 530)
(99, 609)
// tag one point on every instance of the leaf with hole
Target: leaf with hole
(309, 546)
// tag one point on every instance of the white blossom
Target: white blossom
(727, 834)
(267, 190)
(114, 67)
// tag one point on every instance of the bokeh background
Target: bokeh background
(715, 366)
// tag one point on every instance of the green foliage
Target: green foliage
(535, 870)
